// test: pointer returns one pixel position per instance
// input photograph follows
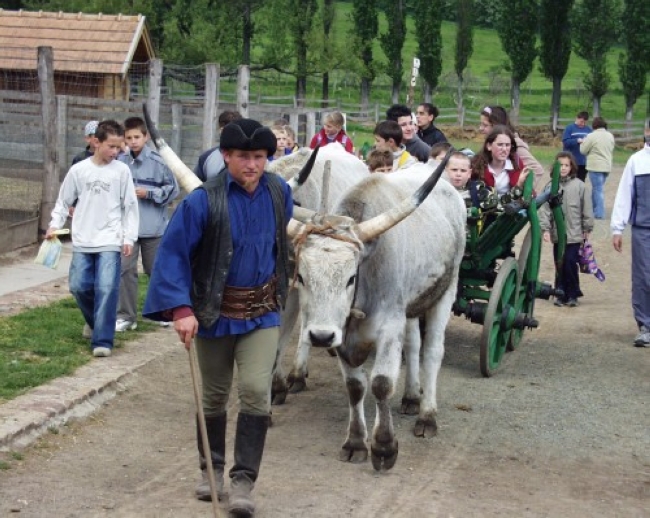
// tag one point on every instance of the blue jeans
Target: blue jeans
(95, 284)
(598, 193)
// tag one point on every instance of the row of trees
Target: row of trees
(299, 38)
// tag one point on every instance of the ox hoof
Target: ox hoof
(384, 456)
(278, 398)
(426, 428)
(354, 454)
(298, 385)
(410, 406)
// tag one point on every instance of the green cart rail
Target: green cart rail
(496, 289)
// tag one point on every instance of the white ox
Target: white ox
(346, 170)
(358, 287)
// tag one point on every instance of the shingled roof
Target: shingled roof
(99, 43)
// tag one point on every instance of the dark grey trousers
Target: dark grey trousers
(641, 275)
(127, 308)
(254, 354)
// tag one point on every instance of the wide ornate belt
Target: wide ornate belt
(248, 303)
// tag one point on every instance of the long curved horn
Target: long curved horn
(184, 175)
(302, 214)
(294, 228)
(304, 173)
(368, 230)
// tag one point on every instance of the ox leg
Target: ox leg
(279, 388)
(384, 447)
(433, 351)
(297, 378)
(411, 397)
(354, 448)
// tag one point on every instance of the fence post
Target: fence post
(177, 126)
(210, 104)
(61, 133)
(48, 111)
(155, 82)
(243, 83)
(294, 122)
(310, 130)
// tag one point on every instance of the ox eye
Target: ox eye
(300, 280)
(351, 281)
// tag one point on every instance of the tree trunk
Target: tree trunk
(629, 112)
(395, 93)
(459, 104)
(247, 36)
(556, 99)
(325, 95)
(301, 91)
(428, 92)
(596, 101)
(514, 102)
(365, 93)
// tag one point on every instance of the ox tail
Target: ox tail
(304, 173)
(184, 175)
(373, 228)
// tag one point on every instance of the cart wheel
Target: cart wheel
(525, 303)
(498, 317)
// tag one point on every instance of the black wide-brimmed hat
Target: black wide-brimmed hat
(247, 134)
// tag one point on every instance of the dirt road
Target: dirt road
(562, 430)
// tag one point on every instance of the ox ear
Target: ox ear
(184, 175)
(304, 173)
(369, 230)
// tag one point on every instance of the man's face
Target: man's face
(107, 150)
(423, 118)
(246, 167)
(458, 171)
(135, 139)
(581, 123)
(408, 127)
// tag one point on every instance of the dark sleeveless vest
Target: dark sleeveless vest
(211, 260)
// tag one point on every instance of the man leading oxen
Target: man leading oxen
(374, 276)
(361, 276)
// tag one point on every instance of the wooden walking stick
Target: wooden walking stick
(194, 371)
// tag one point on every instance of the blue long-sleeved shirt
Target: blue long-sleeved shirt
(252, 225)
(570, 143)
(148, 170)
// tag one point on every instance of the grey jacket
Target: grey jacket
(577, 209)
(148, 170)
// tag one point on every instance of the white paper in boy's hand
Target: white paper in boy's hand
(50, 251)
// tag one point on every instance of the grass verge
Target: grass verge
(44, 343)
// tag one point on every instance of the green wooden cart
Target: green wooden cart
(497, 288)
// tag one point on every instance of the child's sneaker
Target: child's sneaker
(559, 303)
(643, 338)
(125, 325)
(87, 332)
(572, 303)
(101, 352)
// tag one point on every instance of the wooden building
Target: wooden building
(93, 53)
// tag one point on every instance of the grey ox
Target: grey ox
(319, 192)
(361, 275)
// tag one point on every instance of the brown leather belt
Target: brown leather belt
(248, 303)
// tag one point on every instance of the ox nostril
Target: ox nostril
(321, 339)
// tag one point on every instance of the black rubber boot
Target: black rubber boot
(249, 447)
(216, 428)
